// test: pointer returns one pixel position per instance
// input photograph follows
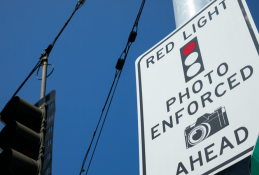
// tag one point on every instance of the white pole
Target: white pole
(185, 9)
(44, 78)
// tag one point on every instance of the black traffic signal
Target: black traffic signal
(23, 138)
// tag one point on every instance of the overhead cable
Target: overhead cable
(119, 67)
(50, 47)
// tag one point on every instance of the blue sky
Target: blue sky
(84, 57)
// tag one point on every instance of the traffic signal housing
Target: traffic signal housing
(22, 140)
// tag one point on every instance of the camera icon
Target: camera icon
(205, 126)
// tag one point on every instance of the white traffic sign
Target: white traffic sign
(198, 96)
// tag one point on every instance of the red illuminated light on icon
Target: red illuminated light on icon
(189, 48)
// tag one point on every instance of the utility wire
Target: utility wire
(33, 70)
(78, 5)
(103, 123)
(48, 50)
(118, 72)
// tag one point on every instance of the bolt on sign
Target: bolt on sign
(198, 93)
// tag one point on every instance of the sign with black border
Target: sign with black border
(197, 93)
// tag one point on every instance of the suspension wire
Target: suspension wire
(78, 5)
(33, 70)
(119, 68)
(48, 50)
(116, 73)
(103, 122)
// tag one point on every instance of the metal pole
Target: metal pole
(44, 76)
(185, 9)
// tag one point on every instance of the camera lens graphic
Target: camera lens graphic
(199, 133)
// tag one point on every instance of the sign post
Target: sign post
(197, 93)
(185, 9)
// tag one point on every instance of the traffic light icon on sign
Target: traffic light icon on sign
(191, 59)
